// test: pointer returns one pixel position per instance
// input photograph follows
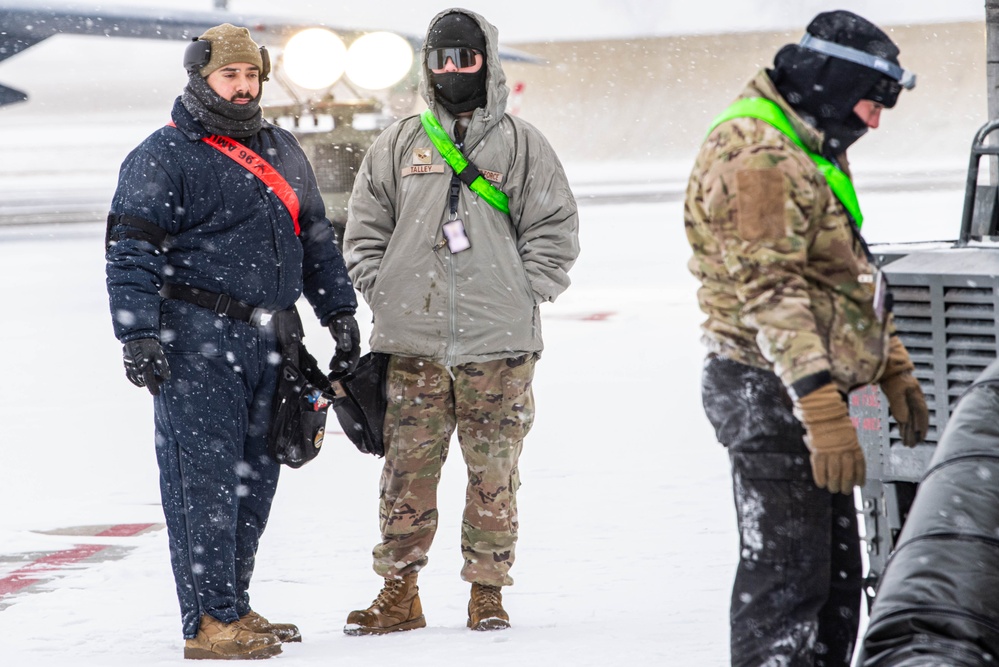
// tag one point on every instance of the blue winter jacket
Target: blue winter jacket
(227, 232)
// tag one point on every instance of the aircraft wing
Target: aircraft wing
(22, 25)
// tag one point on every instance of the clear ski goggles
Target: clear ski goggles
(461, 56)
(903, 77)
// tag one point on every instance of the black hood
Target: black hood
(824, 88)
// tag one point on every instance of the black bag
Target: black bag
(302, 399)
(360, 401)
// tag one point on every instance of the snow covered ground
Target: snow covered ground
(628, 541)
(627, 536)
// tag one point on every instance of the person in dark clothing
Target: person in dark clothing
(794, 323)
(938, 598)
(201, 253)
(798, 581)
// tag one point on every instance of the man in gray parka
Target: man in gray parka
(454, 282)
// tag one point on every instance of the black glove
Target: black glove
(145, 364)
(348, 344)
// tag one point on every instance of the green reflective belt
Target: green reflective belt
(769, 112)
(465, 170)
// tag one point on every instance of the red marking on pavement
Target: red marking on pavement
(597, 317)
(43, 567)
(125, 530)
(586, 317)
(66, 557)
(25, 576)
(14, 583)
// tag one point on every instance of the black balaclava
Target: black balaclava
(824, 89)
(458, 92)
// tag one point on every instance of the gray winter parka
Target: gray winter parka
(482, 303)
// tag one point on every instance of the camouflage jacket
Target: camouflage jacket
(785, 280)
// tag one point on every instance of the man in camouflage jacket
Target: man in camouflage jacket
(792, 326)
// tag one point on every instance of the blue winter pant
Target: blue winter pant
(216, 480)
(796, 596)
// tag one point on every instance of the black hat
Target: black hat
(823, 81)
(456, 29)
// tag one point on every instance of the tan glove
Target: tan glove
(837, 460)
(906, 401)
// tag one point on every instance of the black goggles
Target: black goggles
(461, 56)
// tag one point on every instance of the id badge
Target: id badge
(454, 232)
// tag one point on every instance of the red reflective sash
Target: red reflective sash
(260, 168)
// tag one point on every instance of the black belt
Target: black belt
(221, 304)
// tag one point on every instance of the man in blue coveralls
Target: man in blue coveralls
(201, 252)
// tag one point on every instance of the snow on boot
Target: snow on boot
(396, 608)
(285, 632)
(229, 641)
(485, 609)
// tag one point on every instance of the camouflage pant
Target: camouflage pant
(491, 405)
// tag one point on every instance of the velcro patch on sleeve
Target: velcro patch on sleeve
(760, 199)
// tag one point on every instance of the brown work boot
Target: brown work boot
(396, 608)
(485, 609)
(285, 632)
(229, 641)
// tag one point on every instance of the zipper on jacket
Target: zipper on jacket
(453, 196)
(280, 265)
(284, 277)
(452, 312)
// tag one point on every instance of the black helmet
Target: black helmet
(842, 59)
